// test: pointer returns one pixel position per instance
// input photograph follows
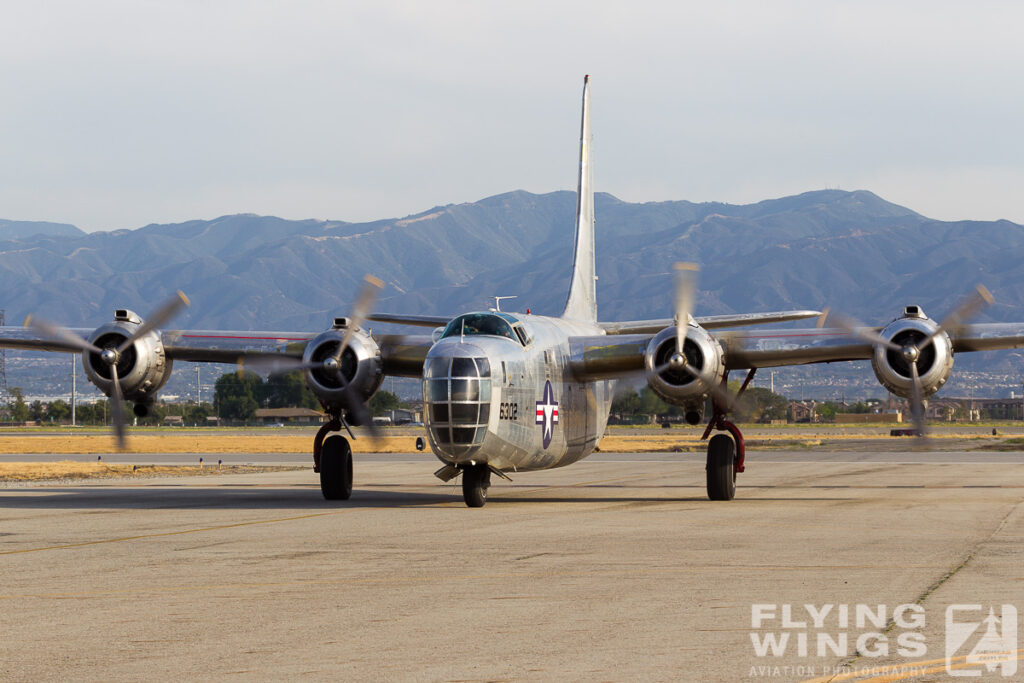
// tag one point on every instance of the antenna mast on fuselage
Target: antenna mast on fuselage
(498, 300)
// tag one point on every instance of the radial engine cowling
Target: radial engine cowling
(142, 369)
(933, 365)
(676, 386)
(360, 365)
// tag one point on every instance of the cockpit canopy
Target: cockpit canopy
(493, 324)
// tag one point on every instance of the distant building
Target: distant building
(803, 411)
(943, 409)
(973, 409)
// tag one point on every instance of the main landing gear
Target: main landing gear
(332, 458)
(726, 452)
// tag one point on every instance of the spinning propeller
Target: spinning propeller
(353, 404)
(685, 295)
(111, 355)
(911, 351)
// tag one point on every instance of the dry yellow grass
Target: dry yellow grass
(639, 443)
(190, 443)
(67, 469)
(218, 442)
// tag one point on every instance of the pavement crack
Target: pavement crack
(848, 664)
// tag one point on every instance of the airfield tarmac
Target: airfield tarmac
(616, 568)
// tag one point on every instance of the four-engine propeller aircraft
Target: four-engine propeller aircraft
(508, 392)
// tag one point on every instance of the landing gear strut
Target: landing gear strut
(726, 452)
(332, 458)
(476, 479)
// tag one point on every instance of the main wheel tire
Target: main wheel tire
(476, 479)
(721, 467)
(336, 468)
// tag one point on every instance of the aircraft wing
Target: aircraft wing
(193, 345)
(227, 346)
(711, 322)
(610, 356)
(417, 320)
(798, 347)
(774, 348)
(989, 337)
(401, 355)
(27, 339)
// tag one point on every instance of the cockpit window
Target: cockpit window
(491, 324)
(459, 402)
(463, 367)
(437, 367)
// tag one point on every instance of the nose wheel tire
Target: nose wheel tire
(476, 479)
(721, 467)
(336, 468)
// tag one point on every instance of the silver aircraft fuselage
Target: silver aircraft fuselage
(508, 398)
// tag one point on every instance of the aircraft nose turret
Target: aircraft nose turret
(456, 398)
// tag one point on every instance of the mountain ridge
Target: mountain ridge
(852, 251)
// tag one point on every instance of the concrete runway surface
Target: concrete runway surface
(616, 568)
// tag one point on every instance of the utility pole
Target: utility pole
(199, 387)
(3, 359)
(74, 374)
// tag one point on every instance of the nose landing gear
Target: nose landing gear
(476, 479)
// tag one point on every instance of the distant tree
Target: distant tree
(240, 408)
(156, 414)
(58, 411)
(383, 402)
(761, 405)
(827, 411)
(235, 395)
(37, 411)
(91, 413)
(287, 391)
(626, 402)
(651, 403)
(17, 408)
(196, 413)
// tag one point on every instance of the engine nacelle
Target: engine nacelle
(933, 366)
(143, 367)
(361, 367)
(676, 386)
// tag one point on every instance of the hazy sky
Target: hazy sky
(118, 114)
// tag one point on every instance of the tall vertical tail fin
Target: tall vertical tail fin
(582, 302)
